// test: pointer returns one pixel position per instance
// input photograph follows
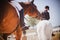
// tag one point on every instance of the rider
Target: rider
(20, 12)
(46, 13)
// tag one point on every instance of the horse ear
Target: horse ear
(32, 1)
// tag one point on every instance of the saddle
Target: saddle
(17, 7)
(20, 12)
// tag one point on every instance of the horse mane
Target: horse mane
(27, 5)
(24, 5)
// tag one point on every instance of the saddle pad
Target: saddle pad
(17, 6)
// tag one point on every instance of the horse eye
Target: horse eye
(32, 10)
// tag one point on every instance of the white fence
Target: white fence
(30, 35)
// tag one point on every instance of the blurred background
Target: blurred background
(54, 9)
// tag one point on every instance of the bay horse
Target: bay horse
(9, 18)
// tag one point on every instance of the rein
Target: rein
(26, 18)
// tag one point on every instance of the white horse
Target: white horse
(44, 30)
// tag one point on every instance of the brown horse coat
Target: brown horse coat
(9, 21)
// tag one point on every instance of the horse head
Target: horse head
(30, 8)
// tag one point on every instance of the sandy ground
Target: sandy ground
(32, 35)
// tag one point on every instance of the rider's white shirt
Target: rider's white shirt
(44, 30)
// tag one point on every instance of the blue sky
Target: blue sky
(54, 9)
